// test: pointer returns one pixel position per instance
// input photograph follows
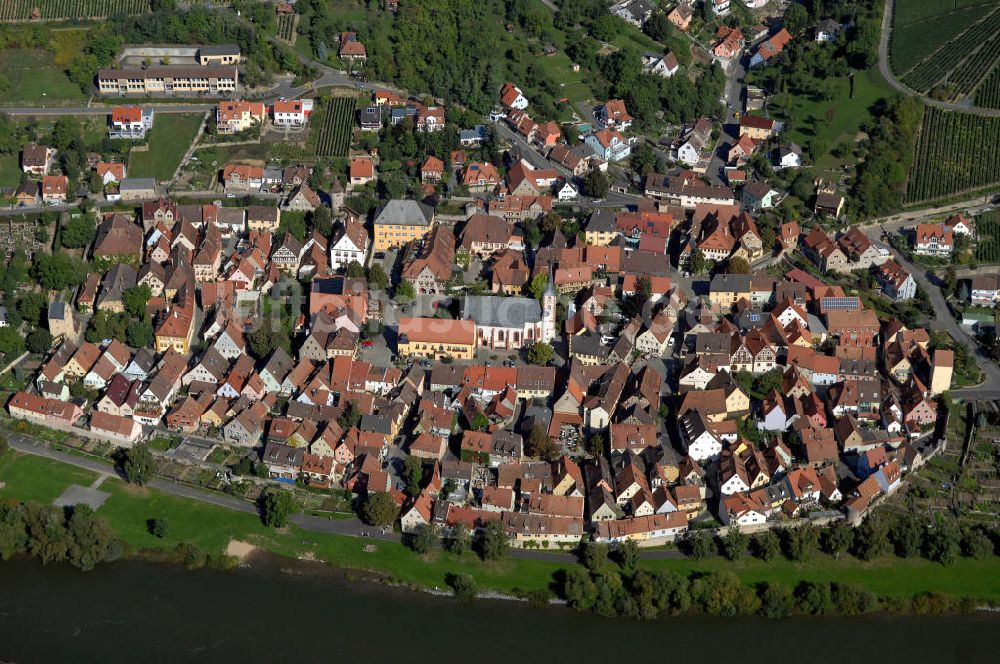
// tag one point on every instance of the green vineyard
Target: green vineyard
(54, 10)
(988, 93)
(961, 62)
(333, 134)
(988, 231)
(921, 27)
(956, 152)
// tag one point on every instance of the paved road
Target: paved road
(899, 219)
(104, 110)
(886, 71)
(30, 445)
(930, 282)
(735, 73)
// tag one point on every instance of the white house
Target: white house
(789, 156)
(293, 113)
(896, 282)
(933, 240)
(774, 416)
(566, 192)
(352, 245)
(512, 97)
(721, 7)
(826, 30)
(985, 290)
(634, 12)
(733, 485)
(609, 145)
(701, 443)
(959, 224)
(130, 122)
(742, 510)
(661, 65)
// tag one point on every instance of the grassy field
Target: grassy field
(835, 121)
(35, 78)
(211, 528)
(255, 153)
(39, 479)
(168, 141)
(10, 170)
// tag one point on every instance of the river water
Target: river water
(143, 612)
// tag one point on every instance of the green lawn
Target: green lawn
(169, 139)
(28, 477)
(36, 79)
(211, 528)
(835, 121)
(224, 154)
(10, 170)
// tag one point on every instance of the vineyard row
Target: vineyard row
(952, 55)
(25, 10)
(334, 139)
(956, 152)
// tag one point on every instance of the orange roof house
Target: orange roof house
(351, 48)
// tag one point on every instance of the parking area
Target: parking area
(81, 495)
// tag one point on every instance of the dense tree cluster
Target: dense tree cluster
(277, 506)
(644, 594)
(55, 535)
(881, 181)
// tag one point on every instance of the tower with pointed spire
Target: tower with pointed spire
(549, 309)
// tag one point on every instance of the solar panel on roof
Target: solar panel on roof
(841, 303)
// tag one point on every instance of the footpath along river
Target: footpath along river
(285, 611)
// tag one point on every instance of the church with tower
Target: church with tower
(509, 323)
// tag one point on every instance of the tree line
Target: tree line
(906, 536)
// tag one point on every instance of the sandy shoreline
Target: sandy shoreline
(239, 549)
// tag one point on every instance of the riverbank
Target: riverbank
(212, 528)
(273, 611)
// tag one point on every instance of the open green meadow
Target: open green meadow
(39, 479)
(10, 170)
(169, 139)
(835, 121)
(33, 77)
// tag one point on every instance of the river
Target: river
(144, 612)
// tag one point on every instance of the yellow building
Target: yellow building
(262, 218)
(176, 330)
(401, 221)
(755, 127)
(186, 79)
(232, 117)
(942, 368)
(726, 290)
(602, 228)
(437, 338)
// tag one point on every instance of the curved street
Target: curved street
(942, 318)
(886, 70)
